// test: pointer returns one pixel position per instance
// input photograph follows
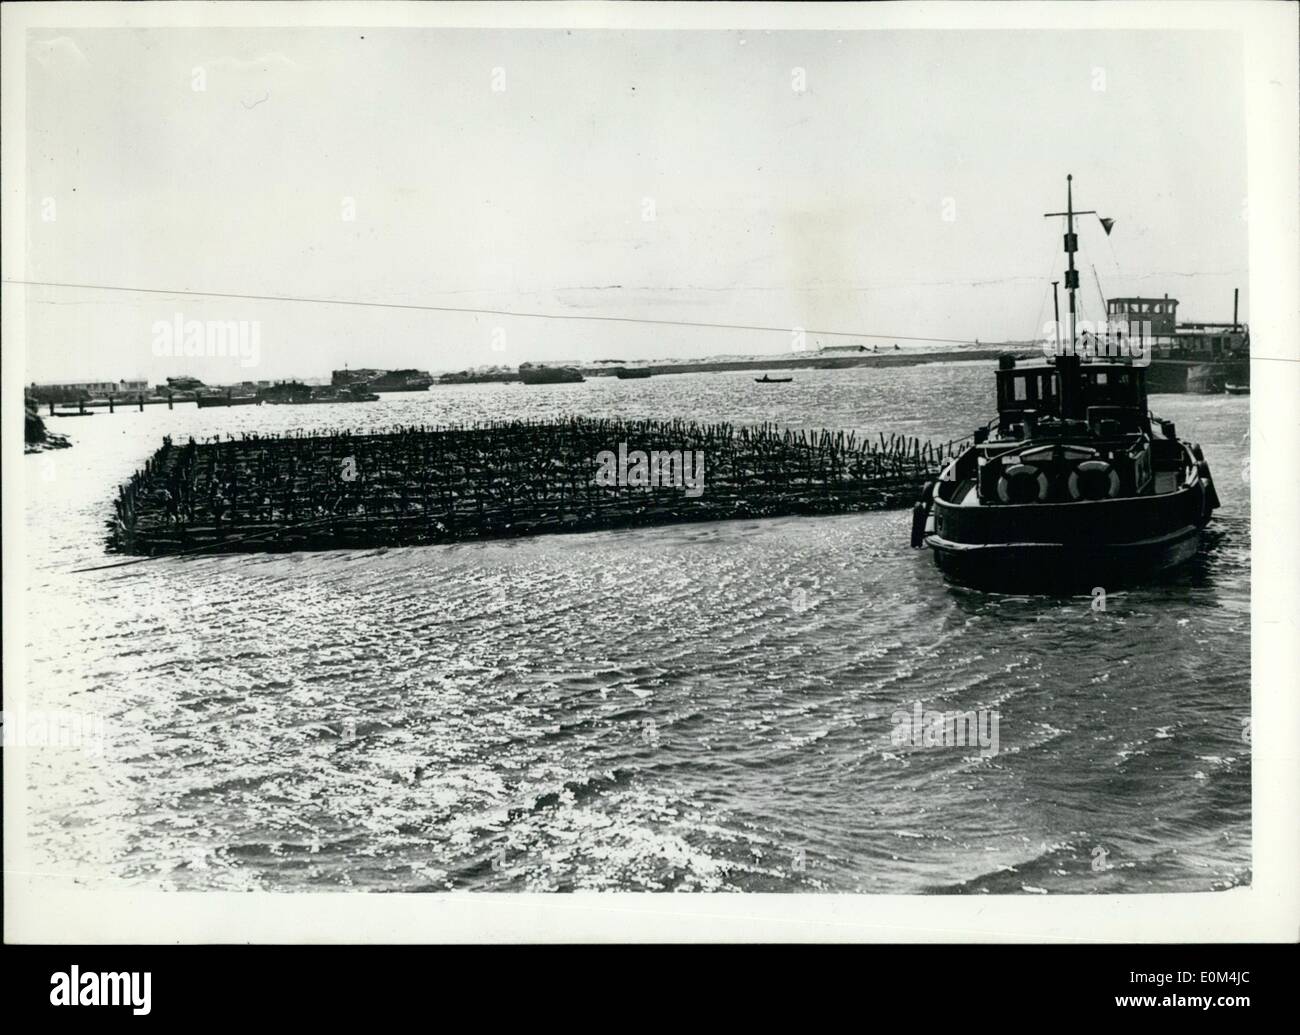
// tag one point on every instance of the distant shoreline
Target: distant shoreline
(811, 362)
(873, 359)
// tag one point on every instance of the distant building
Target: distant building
(65, 391)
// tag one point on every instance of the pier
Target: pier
(419, 485)
(83, 407)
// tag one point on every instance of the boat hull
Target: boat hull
(1195, 377)
(1069, 546)
(551, 376)
(1039, 567)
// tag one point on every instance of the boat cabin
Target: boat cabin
(1155, 322)
(1027, 388)
(1096, 394)
(1208, 341)
(1145, 317)
(1067, 431)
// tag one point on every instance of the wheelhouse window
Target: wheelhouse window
(1027, 389)
(1114, 387)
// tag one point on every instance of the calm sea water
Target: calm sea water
(702, 707)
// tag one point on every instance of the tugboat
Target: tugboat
(1074, 484)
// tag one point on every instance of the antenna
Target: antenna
(1056, 313)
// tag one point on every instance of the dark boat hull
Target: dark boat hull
(1070, 546)
(1195, 377)
(1036, 567)
(569, 377)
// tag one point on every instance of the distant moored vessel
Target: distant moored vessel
(407, 380)
(1184, 357)
(537, 374)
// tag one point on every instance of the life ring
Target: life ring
(1091, 469)
(1018, 472)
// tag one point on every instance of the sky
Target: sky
(888, 183)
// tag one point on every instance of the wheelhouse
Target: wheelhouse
(1148, 317)
(1023, 389)
(1030, 397)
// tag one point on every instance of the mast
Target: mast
(1068, 363)
(1071, 246)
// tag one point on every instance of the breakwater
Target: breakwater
(415, 485)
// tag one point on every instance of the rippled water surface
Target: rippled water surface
(702, 707)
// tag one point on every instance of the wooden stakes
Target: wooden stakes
(409, 485)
